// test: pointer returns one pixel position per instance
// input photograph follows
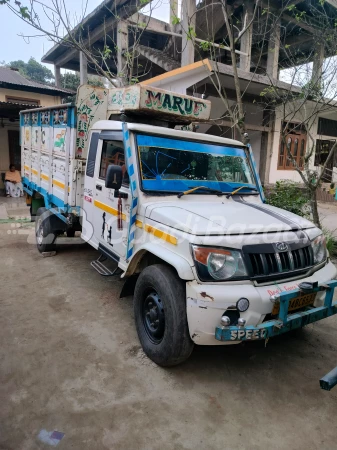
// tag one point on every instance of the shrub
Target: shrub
(331, 242)
(291, 196)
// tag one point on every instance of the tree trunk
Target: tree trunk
(314, 208)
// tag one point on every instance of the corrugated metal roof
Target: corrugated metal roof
(14, 77)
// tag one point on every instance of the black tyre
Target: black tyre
(160, 315)
(45, 236)
(32, 216)
(71, 232)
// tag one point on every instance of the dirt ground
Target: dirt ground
(71, 361)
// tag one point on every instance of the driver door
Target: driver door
(110, 233)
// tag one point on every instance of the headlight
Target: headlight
(218, 263)
(319, 249)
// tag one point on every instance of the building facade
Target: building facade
(270, 36)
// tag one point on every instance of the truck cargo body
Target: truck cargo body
(49, 165)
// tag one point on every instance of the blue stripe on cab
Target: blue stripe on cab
(201, 147)
(132, 236)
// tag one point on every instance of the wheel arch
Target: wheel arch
(155, 254)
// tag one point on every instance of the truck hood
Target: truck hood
(228, 216)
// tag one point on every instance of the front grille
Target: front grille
(280, 263)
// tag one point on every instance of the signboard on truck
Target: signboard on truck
(182, 108)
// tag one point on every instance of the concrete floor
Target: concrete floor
(71, 361)
(328, 216)
(13, 208)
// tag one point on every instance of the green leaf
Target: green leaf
(205, 45)
(24, 12)
(191, 33)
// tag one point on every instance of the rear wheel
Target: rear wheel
(71, 232)
(45, 236)
(160, 315)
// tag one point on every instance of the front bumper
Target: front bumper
(206, 303)
(284, 322)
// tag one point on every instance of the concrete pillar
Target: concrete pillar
(317, 65)
(274, 52)
(173, 10)
(123, 71)
(83, 69)
(247, 38)
(57, 74)
(188, 23)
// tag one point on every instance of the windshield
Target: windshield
(174, 165)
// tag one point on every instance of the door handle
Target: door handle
(99, 187)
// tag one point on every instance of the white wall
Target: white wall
(43, 99)
(255, 142)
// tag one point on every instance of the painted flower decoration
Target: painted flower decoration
(84, 117)
(81, 133)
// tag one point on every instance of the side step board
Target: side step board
(104, 270)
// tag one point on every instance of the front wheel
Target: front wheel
(160, 315)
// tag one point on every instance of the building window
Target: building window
(296, 141)
(21, 100)
(323, 148)
(327, 127)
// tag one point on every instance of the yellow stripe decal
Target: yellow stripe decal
(108, 209)
(44, 177)
(35, 172)
(161, 234)
(149, 229)
(60, 184)
(27, 168)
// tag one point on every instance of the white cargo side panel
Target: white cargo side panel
(48, 151)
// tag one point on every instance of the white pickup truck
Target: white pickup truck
(180, 214)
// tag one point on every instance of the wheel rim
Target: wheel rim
(153, 317)
(39, 232)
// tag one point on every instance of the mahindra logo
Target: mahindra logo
(282, 246)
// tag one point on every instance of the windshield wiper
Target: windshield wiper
(239, 189)
(215, 191)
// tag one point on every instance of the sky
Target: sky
(14, 47)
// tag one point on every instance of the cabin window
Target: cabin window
(113, 153)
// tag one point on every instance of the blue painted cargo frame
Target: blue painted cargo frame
(284, 322)
(51, 202)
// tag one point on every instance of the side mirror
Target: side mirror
(114, 177)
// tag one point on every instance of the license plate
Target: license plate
(296, 303)
(247, 334)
